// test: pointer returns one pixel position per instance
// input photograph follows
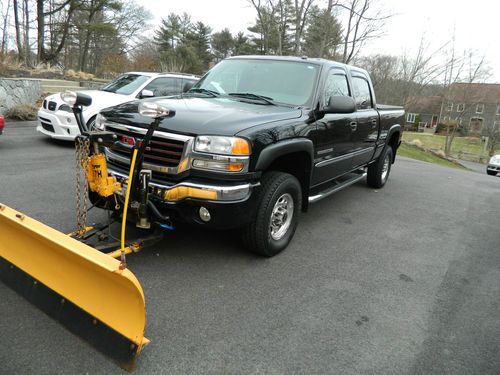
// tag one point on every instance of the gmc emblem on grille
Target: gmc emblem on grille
(131, 141)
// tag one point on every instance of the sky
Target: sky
(476, 23)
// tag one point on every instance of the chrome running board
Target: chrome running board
(337, 186)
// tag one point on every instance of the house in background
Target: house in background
(424, 110)
(473, 106)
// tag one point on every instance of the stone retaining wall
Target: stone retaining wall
(18, 91)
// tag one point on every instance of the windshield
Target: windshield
(286, 82)
(125, 84)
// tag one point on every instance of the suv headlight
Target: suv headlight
(213, 144)
(99, 122)
(226, 154)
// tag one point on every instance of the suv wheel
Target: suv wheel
(278, 209)
(491, 173)
(378, 172)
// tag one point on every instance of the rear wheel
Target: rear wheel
(491, 173)
(378, 172)
(277, 215)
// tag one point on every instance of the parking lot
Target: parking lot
(402, 280)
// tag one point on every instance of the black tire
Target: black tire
(491, 173)
(91, 123)
(377, 172)
(258, 236)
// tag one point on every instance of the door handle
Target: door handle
(374, 123)
(353, 125)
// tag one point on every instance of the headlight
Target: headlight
(69, 97)
(222, 145)
(99, 122)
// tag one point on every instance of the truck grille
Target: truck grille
(163, 153)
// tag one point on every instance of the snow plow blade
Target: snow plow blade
(77, 285)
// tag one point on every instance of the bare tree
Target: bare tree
(4, 26)
(467, 70)
(362, 25)
(302, 9)
(17, 25)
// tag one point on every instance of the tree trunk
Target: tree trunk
(40, 37)
(19, 43)
(26, 34)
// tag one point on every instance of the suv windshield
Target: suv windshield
(125, 84)
(286, 82)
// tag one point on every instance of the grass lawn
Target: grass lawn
(414, 152)
(469, 147)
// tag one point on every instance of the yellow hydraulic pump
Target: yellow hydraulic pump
(97, 177)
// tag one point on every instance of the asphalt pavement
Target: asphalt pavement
(401, 280)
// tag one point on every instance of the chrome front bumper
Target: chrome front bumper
(216, 193)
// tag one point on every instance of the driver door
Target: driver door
(333, 143)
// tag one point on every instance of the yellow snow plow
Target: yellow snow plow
(88, 291)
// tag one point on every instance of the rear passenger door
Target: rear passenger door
(165, 86)
(365, 134)
(332, 137)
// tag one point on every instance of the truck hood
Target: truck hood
(194, 115)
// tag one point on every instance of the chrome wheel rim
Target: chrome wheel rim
(385, 168)
(281, 216)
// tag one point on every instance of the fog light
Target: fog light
(204, 214)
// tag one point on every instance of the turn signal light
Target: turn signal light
(240, 147)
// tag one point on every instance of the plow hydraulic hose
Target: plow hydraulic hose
(125, 208)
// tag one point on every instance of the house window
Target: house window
(449, 107)
(479, 108)
(411, 117)
(498, 110)
(496, 126)
(460, 107)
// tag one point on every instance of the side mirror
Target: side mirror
(147, 94)
(340, 104)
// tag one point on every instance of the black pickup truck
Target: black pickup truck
(256, 141)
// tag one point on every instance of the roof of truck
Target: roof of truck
(304, 59)
(156, 74)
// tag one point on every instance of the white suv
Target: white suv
(56, 119)
(494, 165)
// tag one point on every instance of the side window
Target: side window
(187, 84)
(362, 93)
(164, 86)
(335, 85)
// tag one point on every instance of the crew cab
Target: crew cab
(56, 119)
(256, 141)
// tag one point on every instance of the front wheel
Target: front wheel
(91, 124)
(491, 173)
(378, 172)
(279, 206)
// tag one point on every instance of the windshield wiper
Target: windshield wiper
(204, 91)
(249, 95)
